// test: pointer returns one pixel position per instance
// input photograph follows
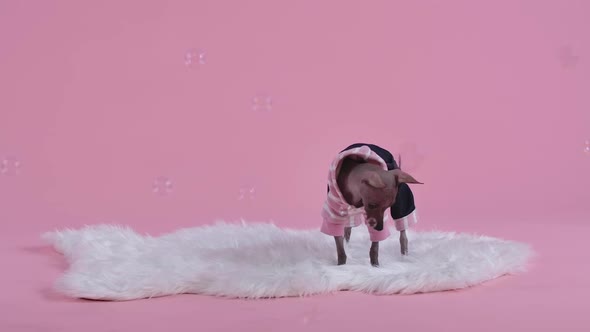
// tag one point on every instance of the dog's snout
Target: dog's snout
(379, 226)
(375, 223)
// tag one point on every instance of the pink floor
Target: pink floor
(550, 297)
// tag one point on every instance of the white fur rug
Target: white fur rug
(260, 260)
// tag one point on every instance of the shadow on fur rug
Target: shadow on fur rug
(261, 260)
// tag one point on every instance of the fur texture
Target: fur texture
(259, 260)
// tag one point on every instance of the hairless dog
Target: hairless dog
(364, 181)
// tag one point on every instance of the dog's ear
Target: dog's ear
(373, 179)
(404, 177)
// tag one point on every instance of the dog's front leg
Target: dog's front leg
(347, 231)
(374, 254)
(403, 242)
(340, 250)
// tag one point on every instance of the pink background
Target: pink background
(487, 101)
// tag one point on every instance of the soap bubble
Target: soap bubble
(262, 102)
(10, 166)
(409, 156)
(194, 57)
(568, 57)
(247, 193)
(587, 147)
(162, 185)
(310, 315)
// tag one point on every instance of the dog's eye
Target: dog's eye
(372, 206)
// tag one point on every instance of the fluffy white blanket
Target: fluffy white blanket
(258, 260)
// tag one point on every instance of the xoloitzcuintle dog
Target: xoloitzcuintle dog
(369, 186)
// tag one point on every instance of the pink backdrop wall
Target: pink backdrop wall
(97, 101)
